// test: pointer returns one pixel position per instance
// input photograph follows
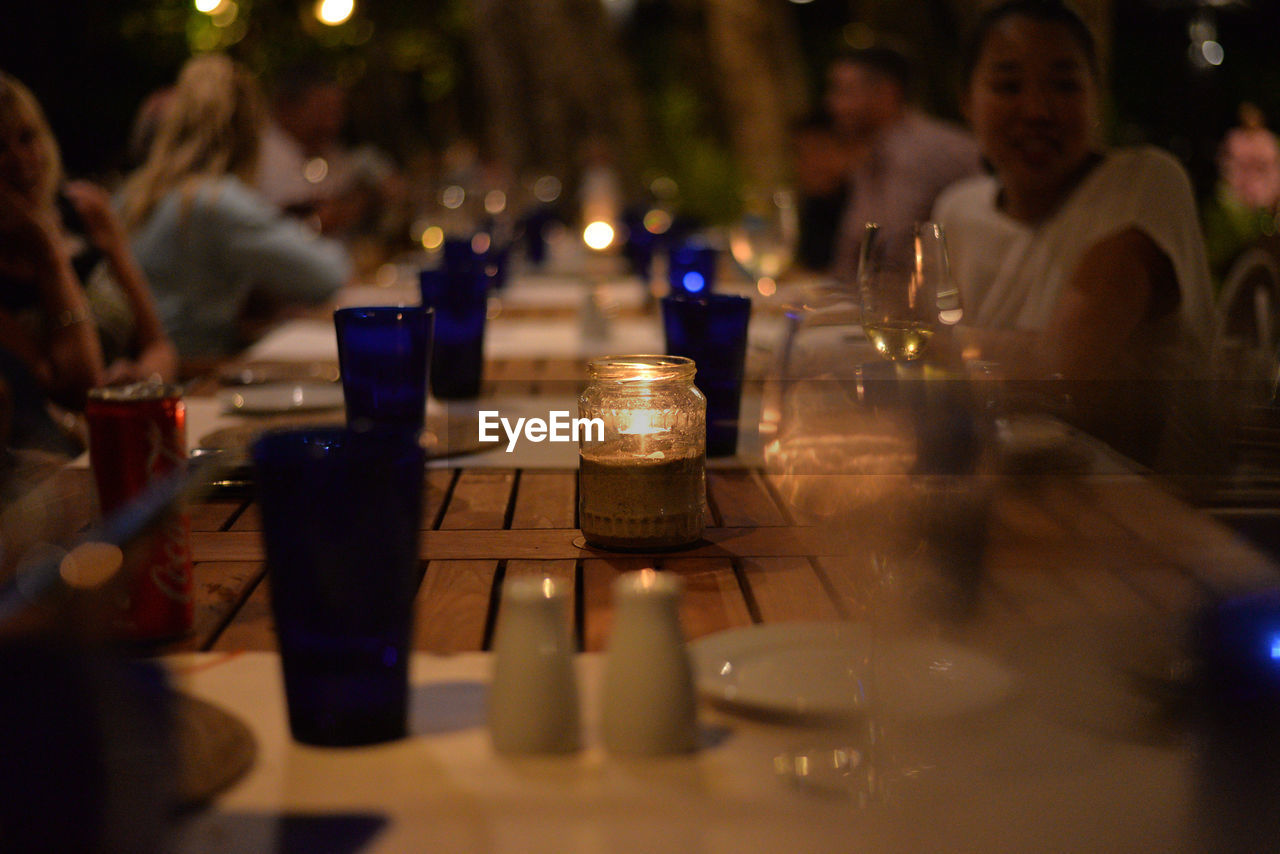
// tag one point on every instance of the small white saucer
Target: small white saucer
(820, 670)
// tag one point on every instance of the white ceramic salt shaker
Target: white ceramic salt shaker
(533, 698)
(648, 706)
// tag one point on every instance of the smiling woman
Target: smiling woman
(1074, 261)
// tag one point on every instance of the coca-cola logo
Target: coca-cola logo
(172, 573)
(162, 453)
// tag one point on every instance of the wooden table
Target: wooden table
(1060, 549)
(1065, 553)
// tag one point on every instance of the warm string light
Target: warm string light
(334, 12)
(432, 237)
(598, 235)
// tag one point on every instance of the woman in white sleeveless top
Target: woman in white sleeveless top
(1073, 263)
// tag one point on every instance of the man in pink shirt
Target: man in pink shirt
(902, 159)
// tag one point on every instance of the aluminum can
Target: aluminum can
(137, 436)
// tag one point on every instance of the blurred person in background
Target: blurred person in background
(900, 159)
(207, 240)
(821, 171)
(307, 170)
(1246, 205)
(75, 309)
(1074, 262)
(145, 123)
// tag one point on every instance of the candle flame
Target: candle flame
(642, 423)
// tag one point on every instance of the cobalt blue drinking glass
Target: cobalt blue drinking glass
(691, 268)
(711, 329)
(340, 520)
(461, 257)
(460, 299)
(383, 353)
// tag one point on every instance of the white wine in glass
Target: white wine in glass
(763, 240)
(905, 291)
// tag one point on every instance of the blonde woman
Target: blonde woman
(205, 238)
(75, 310)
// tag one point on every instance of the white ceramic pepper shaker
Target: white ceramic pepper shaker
(648, 707)
(533, 698)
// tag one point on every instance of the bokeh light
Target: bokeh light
(495, 202)
(657, 221)
(334, 12)
(225, 14)
(598, 235)
(546, 189)
(452, 197)
(432, 238)
(664, 187)
(316, 170)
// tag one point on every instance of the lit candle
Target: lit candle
(642, 482)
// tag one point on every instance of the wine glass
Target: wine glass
(842, 449)
(763, 240)
(906, 290)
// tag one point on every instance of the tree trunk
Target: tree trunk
(761, 82)
(554, 77)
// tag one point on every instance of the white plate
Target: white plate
(819, 670)
(273, 398)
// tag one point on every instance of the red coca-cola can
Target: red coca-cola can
(137, 436)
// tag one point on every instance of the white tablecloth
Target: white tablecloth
(1015, 778)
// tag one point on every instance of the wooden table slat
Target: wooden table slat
(713, 599)
(739, 498)
(251, 627)
(553, 544)
(546, 499)
(1019, 514)
(438, 484)
(249, 520)
(1038, 595)
(452, 607)
(1221, 559)
(214, 515)
(787, 589)
(598, 575)
(1103, 592)
(218, 589)
(480, 500)
(1173, 590)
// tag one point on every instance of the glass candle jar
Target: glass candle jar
(642, 480)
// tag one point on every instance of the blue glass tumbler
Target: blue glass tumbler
(460, 300)
(462, 257)
(691, 268)
(383, 352)
(341, 512)
(711, 329)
